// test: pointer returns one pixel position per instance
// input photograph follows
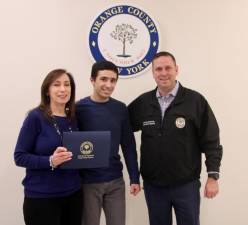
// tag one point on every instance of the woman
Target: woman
(52, 195)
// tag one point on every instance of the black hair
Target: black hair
(102, 65)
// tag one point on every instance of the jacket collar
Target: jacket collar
(178, 99)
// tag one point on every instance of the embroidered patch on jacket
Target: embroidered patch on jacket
(180, 122)
(148, 123)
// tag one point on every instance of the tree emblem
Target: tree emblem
(124, 33)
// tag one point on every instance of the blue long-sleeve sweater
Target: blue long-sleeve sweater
(112, 116)
(37, 140)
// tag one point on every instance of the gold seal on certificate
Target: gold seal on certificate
(86, 148)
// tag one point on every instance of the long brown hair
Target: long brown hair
(44, 105)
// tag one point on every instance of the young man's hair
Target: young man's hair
(102, 65)
(159, 54)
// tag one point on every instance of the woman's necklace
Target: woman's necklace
(56, 126)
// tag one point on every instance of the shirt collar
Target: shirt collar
(172, 93)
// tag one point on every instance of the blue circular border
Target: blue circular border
(97, 55)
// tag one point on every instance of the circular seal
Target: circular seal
(180, 122)
(86, 148)
(126, 36)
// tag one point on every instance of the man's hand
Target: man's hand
(134, 189)
(211, 188)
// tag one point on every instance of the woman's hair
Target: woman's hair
(44, 105)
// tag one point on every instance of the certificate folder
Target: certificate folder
(90, 149)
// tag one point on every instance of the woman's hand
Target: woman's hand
(60, 156)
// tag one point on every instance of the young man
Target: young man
(177, 125)
(105, 187)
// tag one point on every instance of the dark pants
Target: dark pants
(54, 211)
(185, 199)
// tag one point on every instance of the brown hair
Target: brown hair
(44, 105)
(163, 53)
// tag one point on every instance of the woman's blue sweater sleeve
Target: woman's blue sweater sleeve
(25, 155)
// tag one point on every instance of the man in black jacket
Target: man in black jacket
(177, 126)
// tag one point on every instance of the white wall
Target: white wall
(209, 40)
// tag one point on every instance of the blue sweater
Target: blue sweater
(112, 116)
(37, 140)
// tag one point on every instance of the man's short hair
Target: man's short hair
(102, 65)
(159, 54)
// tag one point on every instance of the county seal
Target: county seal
(126, 36)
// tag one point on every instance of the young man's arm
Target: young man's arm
(128, 146)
